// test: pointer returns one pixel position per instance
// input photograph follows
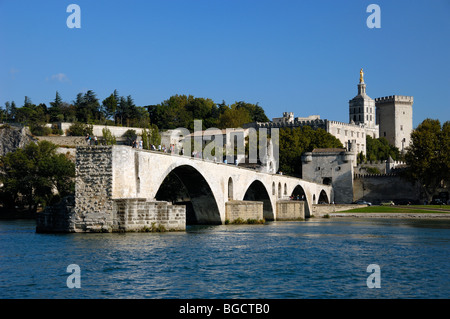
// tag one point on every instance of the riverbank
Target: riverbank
(419, 212)
(388, 215)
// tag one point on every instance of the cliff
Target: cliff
(13, 137)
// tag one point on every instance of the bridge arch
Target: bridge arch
(298, 193)
(256, 191)
(323, 198)
(184, 184)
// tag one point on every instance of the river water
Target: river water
(317, 258)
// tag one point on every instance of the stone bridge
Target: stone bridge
(116, 185)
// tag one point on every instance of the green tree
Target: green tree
(88, 108)
(151, 137)
(55, 110)
(234, 117)
(256, 112)
(35, 175)
(428, 156)
(80, 129)
(130, 136)
(379, 149)
(109, 107)
(296, 141)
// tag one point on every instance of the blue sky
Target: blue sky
(298, 56)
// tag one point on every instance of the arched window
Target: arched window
(230, 189)
(273, 188)
(279, 190)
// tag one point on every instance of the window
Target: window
(339, 131)
(346, 132)
(384, 133)
(401, 127)
(371, 117)
(357, 134)
(362, 135)
(230, 189)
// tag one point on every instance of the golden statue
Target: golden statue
(361, 76)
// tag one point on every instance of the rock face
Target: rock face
(13, 137)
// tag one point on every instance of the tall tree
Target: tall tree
(234, 117)
(88, 108)
(32, 175)
(296, 141)
(55, 111)
(428, 156)
(379, 149)
(109, 107)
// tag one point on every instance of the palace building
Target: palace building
(389, 117)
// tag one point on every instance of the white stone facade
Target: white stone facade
(389, 117)
(395, 119)
(331, 167)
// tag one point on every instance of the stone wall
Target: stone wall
(331, 166)
(321, 210)
(139, 214)
(57, 218)
(117, 131)
(94, 209)
(290, 210)
(383, 188)
(243, 210)
(93, 188)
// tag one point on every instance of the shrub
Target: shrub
(80, 129)
(108, 138)
(40, 130)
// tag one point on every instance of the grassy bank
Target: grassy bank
(397, 209)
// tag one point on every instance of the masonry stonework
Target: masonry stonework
(290, 210)
(243, 210)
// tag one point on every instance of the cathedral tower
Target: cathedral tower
(362, 107)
